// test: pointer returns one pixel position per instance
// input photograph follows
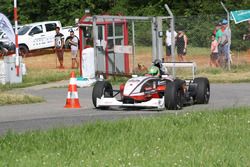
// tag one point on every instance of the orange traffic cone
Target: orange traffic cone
(72, 100)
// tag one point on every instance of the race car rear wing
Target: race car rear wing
(191, 65)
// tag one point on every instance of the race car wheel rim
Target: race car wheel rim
(207, 95)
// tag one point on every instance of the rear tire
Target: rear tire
(173, 95)
(202, 90)
(101, 88)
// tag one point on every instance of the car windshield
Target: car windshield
(23, 30)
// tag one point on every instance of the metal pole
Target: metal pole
(154, 29)
(228, 22)
(172, 38)
(133, 40)
(159, 38)
(16, 35)
(113, 25)
(95, 37)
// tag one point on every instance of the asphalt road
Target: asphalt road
(50, 114)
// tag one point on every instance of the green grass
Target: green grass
(39, 76)
(197, 51)
(214, 138)
(10, 98)
(194, 51)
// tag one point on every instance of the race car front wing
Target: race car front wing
(158, 103)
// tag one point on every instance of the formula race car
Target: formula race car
(152, 92)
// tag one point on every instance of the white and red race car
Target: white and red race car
(152, 92)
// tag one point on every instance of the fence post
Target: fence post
(159, 38)
(154, 47)
(228, 22)
(95, 37)
(113, 25)
(172, 38)
(133, 43)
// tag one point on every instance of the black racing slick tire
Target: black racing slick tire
(173, 96)
(101, 88)
(202, 90)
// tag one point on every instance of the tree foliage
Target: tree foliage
(188, 13)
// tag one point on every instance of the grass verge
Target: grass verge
(40, 76)
(7, 98)
(215, 138)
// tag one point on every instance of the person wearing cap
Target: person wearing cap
(181, 44)
(225, 40)
(73, 42)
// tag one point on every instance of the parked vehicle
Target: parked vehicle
(39, 35)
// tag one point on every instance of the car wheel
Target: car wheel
(23, 50)
(173, 96)
(202, 90)
(101, 88)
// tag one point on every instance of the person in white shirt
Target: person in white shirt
(74, 49)
(168, 44)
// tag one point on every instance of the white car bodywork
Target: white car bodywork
(153, 103)
(42, 34)
(133, 88)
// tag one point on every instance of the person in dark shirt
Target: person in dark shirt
(59, 43)
(181, 44)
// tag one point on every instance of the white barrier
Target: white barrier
(2, 73)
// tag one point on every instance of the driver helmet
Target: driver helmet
(153, 70)
(157, 63)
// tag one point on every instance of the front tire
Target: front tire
(101, 88)
(202, 90)
(173, 96)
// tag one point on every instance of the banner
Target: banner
(240, 15)
(7, 28)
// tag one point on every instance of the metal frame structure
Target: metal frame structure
(172, 28)
(93, 21)
(156, 29)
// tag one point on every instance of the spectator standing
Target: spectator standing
(226, 40)
(218, 36)
(169, 44)
(74, 49)
(181, 43)
(218, 33)
(59, 43)
(214, 52)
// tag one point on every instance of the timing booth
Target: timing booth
(100, 39)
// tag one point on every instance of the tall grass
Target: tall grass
(7, 98)
(215, 138)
